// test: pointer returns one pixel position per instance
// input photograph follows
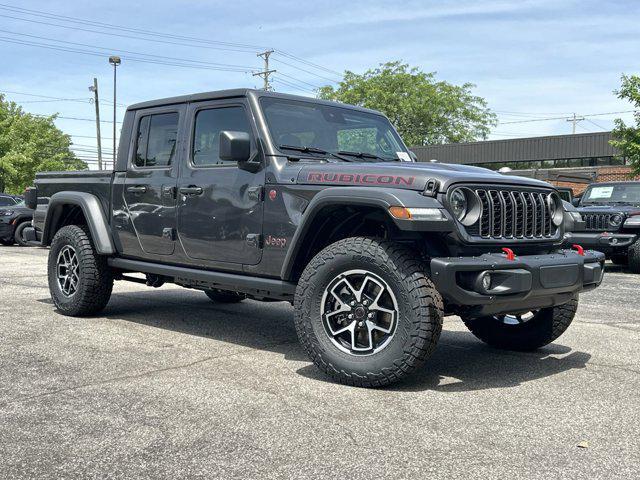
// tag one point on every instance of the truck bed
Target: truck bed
(96, 182)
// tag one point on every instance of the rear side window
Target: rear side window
(156, 140)
(209, 124)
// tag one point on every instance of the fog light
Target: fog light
(486, 281)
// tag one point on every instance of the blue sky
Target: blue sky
(529, 59)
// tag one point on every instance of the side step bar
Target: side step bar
(204, 279)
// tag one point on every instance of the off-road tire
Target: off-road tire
(546, 326)
(419, 319)
(223, 296)
(95, 276)
(17, 236)
(619, 259)
(634, 257)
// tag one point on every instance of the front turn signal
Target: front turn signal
(417, 213)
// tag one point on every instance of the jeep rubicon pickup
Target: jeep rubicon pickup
(253, 194)
(611, 222)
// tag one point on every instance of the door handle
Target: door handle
(191, 190)
(137, 189)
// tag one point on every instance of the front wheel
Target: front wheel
(366, 312)
(80, 281)
(524, 331)
(18, 235)
(634, 257)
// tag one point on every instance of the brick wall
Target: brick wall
(605, 174)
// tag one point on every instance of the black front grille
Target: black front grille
(599, 222)
(512, 214)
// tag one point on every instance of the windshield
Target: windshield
(7, 201)
(619, 194)
(311, 127)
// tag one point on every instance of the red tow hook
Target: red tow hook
(579, 249)
(510, 255)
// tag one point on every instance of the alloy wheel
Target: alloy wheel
(67, 271)
(359, 312)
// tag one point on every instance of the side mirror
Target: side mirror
(575, 202)
(235, 146)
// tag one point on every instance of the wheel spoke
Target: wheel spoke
(67, 271)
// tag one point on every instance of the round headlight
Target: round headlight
(465, 206)
(459, 203)
(615, 220)
(556, 210)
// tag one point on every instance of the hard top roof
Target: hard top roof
(235, 93)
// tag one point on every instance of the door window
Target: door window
(156, 140)
(209, 124)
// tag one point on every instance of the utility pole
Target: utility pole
(94, 89)
(575, 120)
(266, 72)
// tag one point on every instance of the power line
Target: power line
(110, 26)
(99, 54)
(79, 100)
(194, 41)
(111, 50)
(564, 118)
(306, 71)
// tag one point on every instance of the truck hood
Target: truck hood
(608, 209)
(406, 175)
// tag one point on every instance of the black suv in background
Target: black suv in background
(611, 216)
(14, 218)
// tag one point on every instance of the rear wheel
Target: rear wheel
(634, 257)
(223, 296)
(524, 331)
(80, 281)
(619, 259)
(366, 312)
(18, 235)
(6, 242)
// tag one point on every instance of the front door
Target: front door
(150, 184)
(219, 205)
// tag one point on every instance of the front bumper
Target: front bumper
(602, 241)
(525, 283)
(6, 230)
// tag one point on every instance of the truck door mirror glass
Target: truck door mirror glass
(235, 146)
(575, 202)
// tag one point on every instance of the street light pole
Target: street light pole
(115, 61)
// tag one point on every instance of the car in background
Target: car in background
(566, 194)
(15, 216)
(610, 213)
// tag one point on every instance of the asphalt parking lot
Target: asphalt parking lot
(166, 384)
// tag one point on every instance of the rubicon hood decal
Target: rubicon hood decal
(362, 179)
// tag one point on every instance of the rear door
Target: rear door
(150, 184)
(219, 205)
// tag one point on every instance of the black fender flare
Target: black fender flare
(378, 197)
(93, 213)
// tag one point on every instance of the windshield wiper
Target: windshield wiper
(308, 149)
(367, 155)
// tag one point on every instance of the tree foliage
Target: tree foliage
(627, 138)
(425, 111)
(30, 144)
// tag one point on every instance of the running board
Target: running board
(205, 279)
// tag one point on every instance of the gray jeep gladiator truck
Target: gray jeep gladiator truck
(253, 194)
(610, 212)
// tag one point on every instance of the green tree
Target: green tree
(425, 111)
(627, 138)
(30, 144)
